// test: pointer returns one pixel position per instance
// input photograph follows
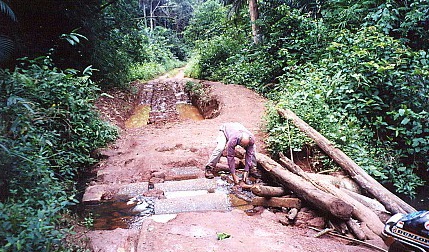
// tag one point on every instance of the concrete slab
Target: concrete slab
(177, 194)
(163, 218)
(182, 173)
(198, 203)
(133, 189)
(187, 185)
(96, 193)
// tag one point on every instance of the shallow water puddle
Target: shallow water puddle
(141, 114)
(139, 118)
(110, 215)
(188, 111)
(119, 213)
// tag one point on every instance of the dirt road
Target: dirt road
(160, 147)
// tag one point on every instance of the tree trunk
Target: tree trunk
(392, 202)
(360, 211)
(254, 15)
(355, 228)
(268, 191)
(372, 204)
(305, 190)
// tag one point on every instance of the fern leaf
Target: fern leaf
(7, 10)
(6, 48)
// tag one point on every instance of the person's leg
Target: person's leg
(254, 161)
(217, 152)
(253, 169)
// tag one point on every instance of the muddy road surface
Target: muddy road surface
(174, 148)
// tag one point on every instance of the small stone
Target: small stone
(292, 214)
(158, 174)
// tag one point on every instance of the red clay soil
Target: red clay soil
(182, 143)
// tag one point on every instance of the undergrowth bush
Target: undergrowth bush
(368, 94)
(214, 39)
(249, 67)
(193, 68)
(385, 85)
(210, 54)
(150, 70)
(48, 130)
(363, 89)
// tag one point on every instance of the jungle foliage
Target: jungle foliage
(124, 40)
(356, 71)
(49, 129)
(126, 49)
(362, 84)
(56, 58)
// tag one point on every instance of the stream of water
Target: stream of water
(130, 213)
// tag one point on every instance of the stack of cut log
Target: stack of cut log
(364, 216)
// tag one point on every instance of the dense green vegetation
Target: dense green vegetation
(356, 71)
(49, 130)
(125, 49)
(56, 59)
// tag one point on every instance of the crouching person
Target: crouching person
(230, 136)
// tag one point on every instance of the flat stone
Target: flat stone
(182, 173)
(133, 189)
(187, 185)
(94, 193)
(98, 193)
(198, 203)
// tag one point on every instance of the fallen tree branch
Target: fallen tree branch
(360, 211)
(355, 228)
(372, 204)
(305, 190)
(392, 202)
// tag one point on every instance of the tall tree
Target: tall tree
(237, 5)
(171, 14)
(254, 15)
(208, 21)
(311, 6)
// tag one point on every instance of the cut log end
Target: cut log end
(341, 209)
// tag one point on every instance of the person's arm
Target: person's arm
(250, 153)
(230, 153)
